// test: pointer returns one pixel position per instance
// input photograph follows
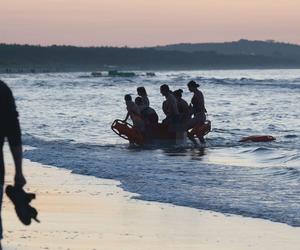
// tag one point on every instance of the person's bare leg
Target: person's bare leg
(191, 137)
(201, 139)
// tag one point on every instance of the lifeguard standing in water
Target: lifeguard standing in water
(169, 106)
(141, 91)
(198, 109)
(134, 113)
(183, 107)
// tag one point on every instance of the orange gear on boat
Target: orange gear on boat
(258, 138)
(127, 131)
(201, 130)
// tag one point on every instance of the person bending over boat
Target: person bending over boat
(134, 113)
(198, 109)
(141, 91)
(148, 114)
(182, 105)
(169, 106)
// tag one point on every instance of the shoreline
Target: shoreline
(84, 212)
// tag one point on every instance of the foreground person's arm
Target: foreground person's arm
(14, 138)
(17, 154)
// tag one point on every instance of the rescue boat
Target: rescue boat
(158, 132)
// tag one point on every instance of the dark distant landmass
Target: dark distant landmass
(229, 55)
(242, 47)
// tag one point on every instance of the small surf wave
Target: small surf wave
(291, 136)
(289, 173)
(280, 83)
(261, 150)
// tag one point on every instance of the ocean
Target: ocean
(66, 118)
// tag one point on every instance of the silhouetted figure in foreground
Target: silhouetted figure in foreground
(10, 129)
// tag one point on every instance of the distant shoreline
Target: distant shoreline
(242, 54)
(33, 70)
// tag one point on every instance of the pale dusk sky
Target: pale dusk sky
(137, 23)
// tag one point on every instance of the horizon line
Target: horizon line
(153, 46)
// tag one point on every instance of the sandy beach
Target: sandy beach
(82, 212)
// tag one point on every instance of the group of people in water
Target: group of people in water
(180, 116)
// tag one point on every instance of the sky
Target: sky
(138, 23)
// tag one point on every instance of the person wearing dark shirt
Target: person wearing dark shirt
(143, 94)
(183, 107)
(148, 114)
(10, 129)
(169, 106)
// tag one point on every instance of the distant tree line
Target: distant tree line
(91, 58)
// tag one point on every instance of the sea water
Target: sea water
(66, 120)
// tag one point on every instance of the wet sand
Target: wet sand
(82, 212)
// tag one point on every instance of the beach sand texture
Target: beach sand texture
(82, 212)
